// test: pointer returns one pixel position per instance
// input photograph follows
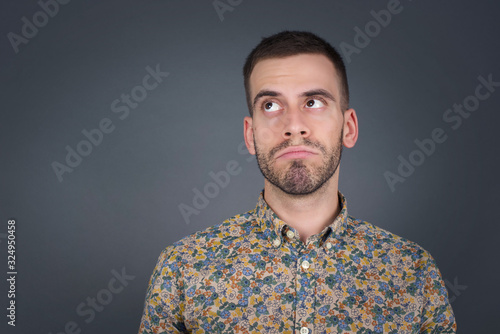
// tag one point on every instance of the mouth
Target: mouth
(296, 153)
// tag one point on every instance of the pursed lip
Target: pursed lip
(296, 151)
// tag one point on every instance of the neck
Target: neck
(307, 214)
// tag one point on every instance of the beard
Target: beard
(297, 178)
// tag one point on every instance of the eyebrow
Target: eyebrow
(320, 92)
(313, 92)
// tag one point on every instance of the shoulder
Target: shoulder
(233, 231)
(376, 242)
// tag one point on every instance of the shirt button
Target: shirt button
(276, 242)
(305, 265)
(290, 234)
(328, 245)
(304, 330)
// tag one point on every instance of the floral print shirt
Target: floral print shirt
(252, 274)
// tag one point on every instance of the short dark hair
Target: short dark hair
(291, 43)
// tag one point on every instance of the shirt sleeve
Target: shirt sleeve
(437, 314)
(163, 303)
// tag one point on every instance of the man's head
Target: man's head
(299, 117)
(290, 43)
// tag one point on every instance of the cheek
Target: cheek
(330, 137)
(268, 134)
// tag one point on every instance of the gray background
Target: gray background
(120, 207)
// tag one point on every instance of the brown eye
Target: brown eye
(271, 106)
(314, 103)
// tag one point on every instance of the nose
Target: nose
(295, 124)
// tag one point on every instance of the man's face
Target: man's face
(296, 131)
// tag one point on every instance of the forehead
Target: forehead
(295, 74)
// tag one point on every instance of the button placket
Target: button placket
(306, 284)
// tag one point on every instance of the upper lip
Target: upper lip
(295, 149)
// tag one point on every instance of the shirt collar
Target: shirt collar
(274, 228)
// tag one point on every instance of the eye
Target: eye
(271, 106)
(314, 103)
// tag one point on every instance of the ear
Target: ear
(350, 128)
(248, 134)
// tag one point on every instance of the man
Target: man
(297, 263)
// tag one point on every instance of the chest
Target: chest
(282, 291)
